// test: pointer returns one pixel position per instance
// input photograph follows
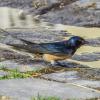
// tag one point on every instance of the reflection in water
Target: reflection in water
(12, 18)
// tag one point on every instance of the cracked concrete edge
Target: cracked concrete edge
(85, 87)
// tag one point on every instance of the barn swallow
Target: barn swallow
(55, 51)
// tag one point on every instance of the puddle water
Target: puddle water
(80, 31)
(12, 18)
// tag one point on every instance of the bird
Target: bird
(53, 51)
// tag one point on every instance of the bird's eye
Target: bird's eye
(79, 41)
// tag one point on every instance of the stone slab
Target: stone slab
(88, 83)
(25, 89)
(62, 76)
(10, 64)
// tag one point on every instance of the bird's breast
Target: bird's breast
(49, 57)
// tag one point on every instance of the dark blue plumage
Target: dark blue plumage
(57, 49)
(62, 47)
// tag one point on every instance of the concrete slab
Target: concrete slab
(62, 76)
(88, 83)
(10, 64)
(25, 89)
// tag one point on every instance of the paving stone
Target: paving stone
(21, 67)
(62, 76)
(24, 89)
(88, 83)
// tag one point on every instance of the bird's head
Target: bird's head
(76, 41)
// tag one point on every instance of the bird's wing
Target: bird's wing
(49, 48)
(53, 48)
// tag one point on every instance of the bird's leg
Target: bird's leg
(56, 64)
(53, 63)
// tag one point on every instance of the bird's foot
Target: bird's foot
(61, 64)
(56, 64)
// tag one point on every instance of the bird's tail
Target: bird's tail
(27, 42)
(25, 46)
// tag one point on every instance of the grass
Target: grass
(45, 98)
(14, 73)
(56, 98)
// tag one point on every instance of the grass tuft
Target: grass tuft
(45, 98)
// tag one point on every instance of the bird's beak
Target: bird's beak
(86, 42)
